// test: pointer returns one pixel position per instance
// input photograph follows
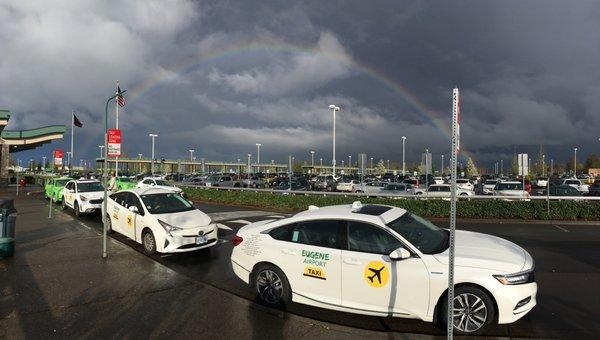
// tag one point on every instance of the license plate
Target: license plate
(201, 239)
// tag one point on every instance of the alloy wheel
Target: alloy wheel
(470, 313)
(269, 286)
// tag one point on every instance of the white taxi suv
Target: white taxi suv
(83, 196)
(161, 220)
(152, 182)
(384, 261)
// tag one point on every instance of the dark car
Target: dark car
(564, 190)
(594, 189)
(296, 184)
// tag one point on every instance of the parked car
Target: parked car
(510, 188)
(151, 182)
(221, 181)
(594, 189)
(384, 261)
(253, 182)
(563, 190)
(443, 190)
(412, 181)
(347, 185)
(53, 189)
(577, 184)
(324, 182)
(397, 189)
(161, 220)
(370, 187)
(488, 186)
(464, 183)
(438, 180)
(83, 196)
(296, 184)
(125, 183)
(540, 182)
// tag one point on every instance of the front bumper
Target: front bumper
(89, 207)
(508, 296)
(185, 240)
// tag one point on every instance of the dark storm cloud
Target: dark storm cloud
(528, 72)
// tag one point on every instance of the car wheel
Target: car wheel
(108, 224)
(464, 194)
(359, 191)
(76, 208)
(271, 286)
(473, 311)
(149, 242)
(64, 205)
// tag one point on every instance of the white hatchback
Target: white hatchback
(83, 196)
(384, 261)
(152, 182)
(161, 220)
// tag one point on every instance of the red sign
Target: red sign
(58, 156)
(114, 142)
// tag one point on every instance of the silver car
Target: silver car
(221, 181)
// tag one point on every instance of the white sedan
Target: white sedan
(161, 220)
(153, 182)
(384, 261)
(83, 196)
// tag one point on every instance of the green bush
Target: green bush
(476, 209)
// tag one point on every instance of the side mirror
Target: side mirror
(399, 254)
(134, 209)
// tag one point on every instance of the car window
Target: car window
(366, 238)
(166, 203)
(323, 233)
(89, 187)
(446, 189)
(119, 198)
(132, 200)
(69, 186)
(421, 233)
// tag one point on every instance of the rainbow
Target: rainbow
(165, 76)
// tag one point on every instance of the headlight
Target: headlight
(83, 198)
(516, 279)
(168, 228)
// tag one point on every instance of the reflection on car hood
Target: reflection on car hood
(167, 187)
(486, 251)
(186, 219)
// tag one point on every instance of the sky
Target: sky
(220, 76)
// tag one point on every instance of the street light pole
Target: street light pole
(442, 172)
(426, 169)
(543, 165)
(371, 162)
(403, 162)
(312, 159)
(333, 109)
(575, 162)
(140, 163)
(349, 160)
(258, 157)
(104, 221)
(501, 167)
(152, 135)
(191, 154)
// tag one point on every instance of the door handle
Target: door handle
(353, 262)
(289, 252)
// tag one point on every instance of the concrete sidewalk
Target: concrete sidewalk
(58, 286)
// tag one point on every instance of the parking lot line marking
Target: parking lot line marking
(222, 226)
(244, 222)
(83, 225)
(561, 228)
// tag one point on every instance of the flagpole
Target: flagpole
(72, 131)
(117, 127)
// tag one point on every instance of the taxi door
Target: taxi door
(70, 194)
(310, 258)
(131, 219)
(372, 282)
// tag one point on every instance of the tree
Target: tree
(380, 167)
(471, 169)
(514, 165)
(592, 162)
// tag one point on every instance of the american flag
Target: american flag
(120, 99)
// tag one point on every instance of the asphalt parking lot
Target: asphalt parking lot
(567, 271)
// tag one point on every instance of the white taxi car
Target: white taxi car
(152, 182)
(384, 261)
(161, 220)
(83, 196)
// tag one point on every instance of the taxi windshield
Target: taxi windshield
(166, 203)
(89, 187)
(421, 233)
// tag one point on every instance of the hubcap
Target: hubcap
(470, 313)
(269, 286)
(148, 241)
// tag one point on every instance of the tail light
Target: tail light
(236, 240)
